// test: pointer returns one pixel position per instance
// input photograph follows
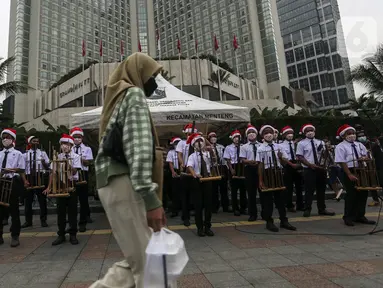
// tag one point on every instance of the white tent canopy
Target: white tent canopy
(171, 106)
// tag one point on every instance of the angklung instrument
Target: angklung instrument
(365, 170)
(6, 184)
(214, 168)
(62, 177)
(273, 175)
(35, 177)
(81, 175)
(239, 167)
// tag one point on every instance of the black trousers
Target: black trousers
(186, 188)
(252, 184)
(220, 191)
(354, 202)
(83, 198)
(291, 178)
(315, 180)
(67, 205)
(29, 196)
(13, 209)
(202, 199)
(238, 184)
(176, 190)
(166, 188)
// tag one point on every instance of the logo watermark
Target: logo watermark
(360, 34)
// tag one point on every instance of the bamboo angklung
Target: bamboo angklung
(62, 177)
(272, 176)
(214, 176)
(6, 185)
(365, 172)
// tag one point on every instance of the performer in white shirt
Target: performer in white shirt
(86, 156)
(309, 151)
(276, 135)
(248, 154)
(199, 164)
(220, 187)
(36, 167)
(67, 203)
(172, 160)
(292, 173)
(346, 154)
(269, 151)
(232, 156)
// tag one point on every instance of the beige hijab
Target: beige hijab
(133, 72)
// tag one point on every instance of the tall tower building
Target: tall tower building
(254, 23)
(309, 31)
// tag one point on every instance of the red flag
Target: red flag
(235, 43)
(179, 45)
(122, 48)
(100, 48)
(139, 46)
(196, 45)
(83, 48)
(216, 45)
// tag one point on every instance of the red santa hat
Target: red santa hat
(192, 138)
(343, 129)
(189, 129)
(287, 130)
(9, 131)
(305, 126)
(234, 134)
(29, 139)
(249, 128)
(211, 134)
(264, 127)
(174, 139)
(76, 131)
(65, 138)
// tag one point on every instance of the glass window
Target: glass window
(304, 84)
(340, 80)
(333, 43)
(318, 98)
(302, 70)
(309, 50)
(327, 98)
(314, 83)
(312, 66)
(292, 71)
(331, 79)
(322, 64)
(290, 56)
(337, 61)
(324, 80)
(343, 97)
(319, 47)
(299, 55)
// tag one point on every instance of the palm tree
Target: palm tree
(11, 87)
(166, 76)
(370, 73)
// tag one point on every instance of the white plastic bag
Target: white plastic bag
(165, 255)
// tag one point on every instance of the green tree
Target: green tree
(11, 87)
(166, 76)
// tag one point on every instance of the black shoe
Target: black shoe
(59, 240)
(1, 240)
(326, 213)
(81, 228)
(252, 218)
(348, 222)
(201, 233)
(187, 223)
(173, 215)
(271, 227)
(44, 223)
(26, 224)
(5, 222)
(208, 232)
(364, 220)
(286, 225)
(307, 213)
(237, 213)
(73, 240)
(89, 220)
(15, 241)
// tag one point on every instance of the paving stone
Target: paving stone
(376, 277)
(296, 273)
(245, 264)
(356, 282)
(81, 284)
(87, 265)
(330, 270)
(270, 261)
(282, 284)
(191, 268)
(256, 252)
(305, 258)
(334, 256)
(318, 283)
(233, 254)
(5, 268)
(360, 267)
(261, 276)
(16, 279)
(203, 256)
(215, 265)
(49, 277)
(195, 281)
(312, 248)
(226, 280)
(288, 249)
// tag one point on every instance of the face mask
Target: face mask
(289, 137)
(310, 134)
(199, 145)
(77, 141)
(65, 148)
(251, 136)
(150, 86)
(35, 145)
(362, 139)
(269, 137)
(236, 140)
(351, 138)
(7, 142)
(213, 140)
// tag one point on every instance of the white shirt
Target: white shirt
(247, 151)
(344, 153)
(231, 153)
(285, 146)
(304, 149)
(173, 158)
(29, 158)
(265, 156)
(85, 153)
(183, 148)
(194, 162)
(75, 163)
(15, 160)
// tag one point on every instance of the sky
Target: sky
(353, 12)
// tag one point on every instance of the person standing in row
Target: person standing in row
(248, 156)
(292, 177)
(315, 176)
(232, 156)
(270, 156)
(347, 154)
(86, 156)
(172, 161)
(36, 169)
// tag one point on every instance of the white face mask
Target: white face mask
(362, 139)
(199, 145)
(269, 137)
(310, 134)
(213, 140)
(289, 137)
(7, 142)
(252, 136)
(77, 141)
(351, 138)
(236, 140)
(65, 148)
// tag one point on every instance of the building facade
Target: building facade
(310, 37)
(255, 24)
